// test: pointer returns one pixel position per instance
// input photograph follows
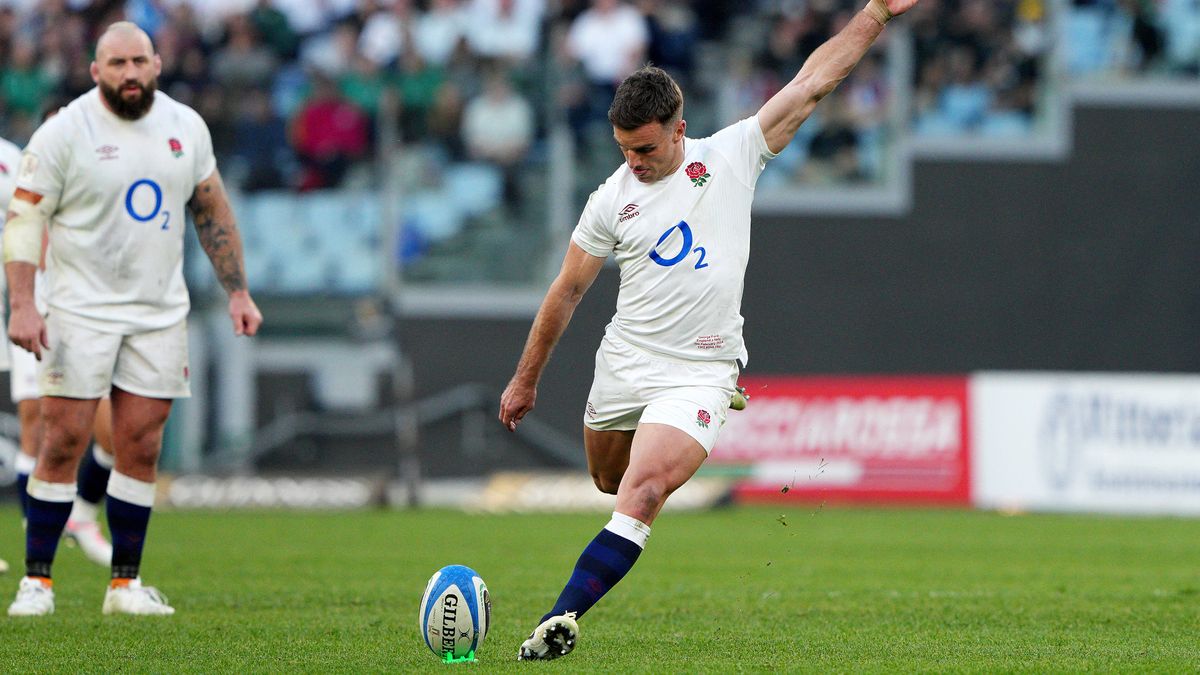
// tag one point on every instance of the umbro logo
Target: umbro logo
(107, 152)
(630, 211)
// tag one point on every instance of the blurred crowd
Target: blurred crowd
(301, 95)
(980, 66)
(294, 89)
(1133, 36)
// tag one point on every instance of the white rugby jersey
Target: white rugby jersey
(119, 189)
(10, 159)
(682, 245)
(10, 156)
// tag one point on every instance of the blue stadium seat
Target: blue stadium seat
(936, 124)
(1086, 44)
(1006, 124)
(434, 216)
(474, 187)
(1180, 21)
(360, 270)
(965, 104)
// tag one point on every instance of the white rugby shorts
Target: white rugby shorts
(85, 363)
(632, 386)
(23, 380)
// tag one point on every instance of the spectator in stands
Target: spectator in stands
(978, 66)
(329, 135)
(440, 31)
(674, 37)
(387, 33)
(505, 29)
(274, 27)
(332, 53)
(309, 18)
(833, 151)
(365, 85)
(418, 84)
(243, 61)
(216, 105)
(498, 127)
(444, 122)
(260, 144)
(185, 75)
(744, 86)
(609, 40)
(25, 83)
(965, 99)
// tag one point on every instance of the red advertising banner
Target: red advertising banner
(869, 439)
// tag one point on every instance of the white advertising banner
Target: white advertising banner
(1086, 442)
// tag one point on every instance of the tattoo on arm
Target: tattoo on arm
(218, 233)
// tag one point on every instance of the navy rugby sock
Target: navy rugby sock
(605, 561)
(23, 493)
(93, 476)
(129, 503)
(49, 508)
(24, 465)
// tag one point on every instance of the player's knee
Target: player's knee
(141, 451)
(647, 497)
(62, 443)
(58, 457)
(606, 482)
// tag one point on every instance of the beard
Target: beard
(126, 108)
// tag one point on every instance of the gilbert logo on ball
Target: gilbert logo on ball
(456, 612)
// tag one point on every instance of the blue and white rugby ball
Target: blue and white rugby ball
(456, 612)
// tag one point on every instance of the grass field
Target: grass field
(738, 590)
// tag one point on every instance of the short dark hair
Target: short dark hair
(648, 95)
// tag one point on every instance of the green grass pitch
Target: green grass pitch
(814, 589)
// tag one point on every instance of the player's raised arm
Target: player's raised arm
(218, 233)
(824, 69)
(28, 214)
(579, 270)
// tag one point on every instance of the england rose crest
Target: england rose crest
(698, 173)
(176, 147)
(703, 418)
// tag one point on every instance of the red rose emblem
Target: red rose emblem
(176, 146)
(695, 170)
(703, 416)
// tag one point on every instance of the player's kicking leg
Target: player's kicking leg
(661, 459)
(138, 424)
(83, 529)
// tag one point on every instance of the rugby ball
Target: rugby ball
(456, 612)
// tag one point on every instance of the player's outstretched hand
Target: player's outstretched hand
(515, 402)
(27, 330)
(245, 314)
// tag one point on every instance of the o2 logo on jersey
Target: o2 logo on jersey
(684, 251)
(139, 212)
